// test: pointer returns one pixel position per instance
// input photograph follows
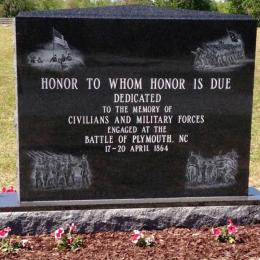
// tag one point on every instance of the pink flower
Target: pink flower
(4, 232)
(72, 228)
(24, 242)
(136, 236)
(216, 232)
(8, 189)
(11, 189)
(58, 233)
(232, 229)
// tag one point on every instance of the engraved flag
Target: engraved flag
(233, 36)
(58, 39)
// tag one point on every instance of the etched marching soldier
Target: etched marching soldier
(64, 167)
(38, 173)
(63, 58)
(45, 171)
(61, 181)
(69, 58)
(39, 60)
(70, 173)
(85, 172)
(192, 169)
(210, 172)
(198, 57)
(32, 59)
(54, 58)
(51, 174)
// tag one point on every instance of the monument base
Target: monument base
(39, 222)
(45, 217)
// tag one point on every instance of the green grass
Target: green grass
(255, 141)
(8, 151)
(7, 109)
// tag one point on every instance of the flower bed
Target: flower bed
(173, 243)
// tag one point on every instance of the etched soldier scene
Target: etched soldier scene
(217, 171)
(56, 55)
(51, 171)
(227, 52)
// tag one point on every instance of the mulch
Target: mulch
(172, 243)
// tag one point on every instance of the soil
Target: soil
(172, 243)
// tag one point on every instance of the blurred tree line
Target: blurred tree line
(10, 8)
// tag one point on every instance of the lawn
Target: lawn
(255, 141)
(8, 151)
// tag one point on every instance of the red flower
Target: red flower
(4, 232)
(232, 229)
(216, 232)
(11, 189)
(8, 189)
(58, 233)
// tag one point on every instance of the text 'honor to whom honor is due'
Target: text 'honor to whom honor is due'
(137, 119)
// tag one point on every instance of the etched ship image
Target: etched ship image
(51, 171)
(223, 53)
(56, 55)
(218, 171)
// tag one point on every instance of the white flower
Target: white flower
(149, 240)
(24, 242)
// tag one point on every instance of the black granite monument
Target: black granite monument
(133, 102)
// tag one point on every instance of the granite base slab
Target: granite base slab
(39, 222)
(45, 217)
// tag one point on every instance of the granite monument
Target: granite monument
(133, 102)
